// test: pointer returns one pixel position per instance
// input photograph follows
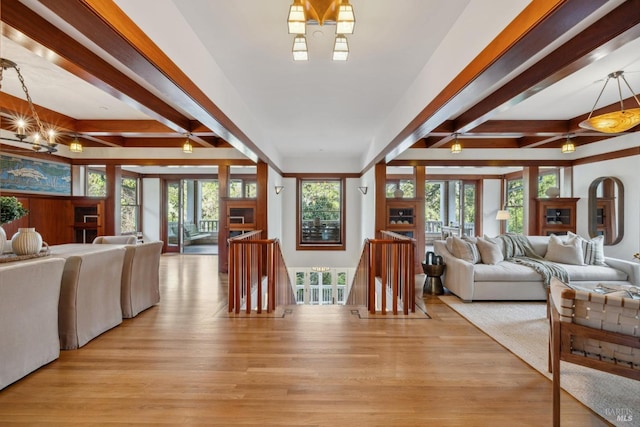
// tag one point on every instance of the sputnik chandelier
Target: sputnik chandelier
(320, 12)
(41, 140)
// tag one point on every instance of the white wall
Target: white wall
(338, 259)
(151, 208)
(275, 204)
(490, 206)
(626, 170)
(368, 206)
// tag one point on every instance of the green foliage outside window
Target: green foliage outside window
(129, 205)
(321, 199)
(96, 183)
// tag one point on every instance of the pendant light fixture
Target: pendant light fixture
(617, 121)
(456, 147)
(42, 140)
(75, 146)
(187, 147)
(568, 146)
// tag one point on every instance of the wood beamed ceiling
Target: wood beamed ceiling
(105, 25)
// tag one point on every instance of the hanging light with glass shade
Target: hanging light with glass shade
(456, 147)
(568, 146)
(617, 121)
(187, 147)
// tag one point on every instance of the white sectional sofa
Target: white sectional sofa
(506, 280)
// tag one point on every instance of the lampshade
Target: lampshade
(568, 147)
(300, 48)
(456, 147)
(75, 146)
(617, 121)
(187, 147)
(296, 21)
(340, 48)
(503, 215)
(346, 19)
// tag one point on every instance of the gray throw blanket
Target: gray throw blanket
(517, 249)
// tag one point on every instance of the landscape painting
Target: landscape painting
(22, 174)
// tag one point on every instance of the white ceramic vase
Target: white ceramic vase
(27, 241)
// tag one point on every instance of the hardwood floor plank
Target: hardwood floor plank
(187, 361)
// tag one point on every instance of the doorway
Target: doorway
(192, 216)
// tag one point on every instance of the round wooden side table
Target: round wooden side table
(433, 283)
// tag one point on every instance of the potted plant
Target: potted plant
(10, 210)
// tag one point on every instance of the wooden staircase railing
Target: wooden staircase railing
(391, 259)
(252, 261)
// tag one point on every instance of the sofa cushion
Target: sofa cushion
(590, 273)
(505, 271)
(490, 252)
(593, 250)
(567, 252)
(466, 250)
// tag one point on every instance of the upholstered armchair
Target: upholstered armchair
(140, 278)
(594, 330)
(116, 240)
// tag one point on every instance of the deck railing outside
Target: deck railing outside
(391, 259)
(252, 262)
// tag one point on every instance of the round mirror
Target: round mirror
(606, 209)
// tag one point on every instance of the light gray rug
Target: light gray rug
(523, 328)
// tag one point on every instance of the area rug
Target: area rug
(523, 328)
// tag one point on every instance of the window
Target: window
(515, 205)
(129, 205)
(547, 178)
(96, 183)
(243, 188)
(321, 214)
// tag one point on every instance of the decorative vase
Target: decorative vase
(3, 240)
(27, 241)
(398, 193)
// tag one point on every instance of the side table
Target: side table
(433, 283)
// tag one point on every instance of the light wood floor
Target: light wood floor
(187, 361)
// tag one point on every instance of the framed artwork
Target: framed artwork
(26, 175)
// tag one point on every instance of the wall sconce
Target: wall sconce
(363, 190)
(279, 188)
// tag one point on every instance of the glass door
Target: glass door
(174, 215)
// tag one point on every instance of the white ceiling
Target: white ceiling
(402, 54)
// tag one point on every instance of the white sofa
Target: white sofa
(510, 281)
(29, 293)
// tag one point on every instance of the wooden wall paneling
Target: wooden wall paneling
(52, 218)
(112, 202)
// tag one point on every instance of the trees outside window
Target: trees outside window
(96, 183)
(321, 213)
(129, 205)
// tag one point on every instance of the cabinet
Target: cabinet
(401, 217)
(556, 216)
(241, 217)
(88, 220)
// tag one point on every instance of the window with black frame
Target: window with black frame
(321, 213)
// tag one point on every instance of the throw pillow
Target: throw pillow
(567, 252)
(465, 250)
(593, 249)
(490, 252)
(497, 240)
